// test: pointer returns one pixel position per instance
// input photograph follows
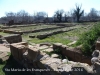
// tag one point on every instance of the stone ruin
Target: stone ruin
(33, 57)
(38, 62)
(5, 45)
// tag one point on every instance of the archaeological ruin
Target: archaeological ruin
(36, 58)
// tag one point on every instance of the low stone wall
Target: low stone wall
(72, 53)
(62, 24)
(45, 35)
(16, 26)
(12, 31)
(14, 38)
(32, 31)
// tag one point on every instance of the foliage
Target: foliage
(87, 39)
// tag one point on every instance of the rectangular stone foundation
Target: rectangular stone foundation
(15, 38)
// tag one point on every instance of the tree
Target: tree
(40, 16)
(10, 16)
(46, 19)
(23, 15)
(93, 15)
(66, 16)
(78, 12)
(58, 15)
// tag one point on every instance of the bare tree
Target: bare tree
(66, 16)
(93, 15)
(46, 19)
(23, 15)
(10, 16)
(58, 15)
(78, 12)
(40, 16)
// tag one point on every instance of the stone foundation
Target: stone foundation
(13, 38)
(32, 58)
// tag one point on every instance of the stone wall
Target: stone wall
(45, 35)
(72, 53)
(13, 38)
(12, 31)
(29, 31)
(16, 26)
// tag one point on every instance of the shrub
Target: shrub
(87, 39)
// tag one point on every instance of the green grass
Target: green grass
(52, 39)
(1, 67)
(63, 38)
(3, 34)
(88, 39)
(32, 27)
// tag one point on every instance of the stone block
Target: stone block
(48, 50)
(97, 46)
(57, 46)
(69, 53)
(17, 50)
(33, 54)
(86, 59)
(15, 38)
(78, 57)
(55, 56)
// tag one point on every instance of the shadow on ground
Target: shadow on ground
(12, 66)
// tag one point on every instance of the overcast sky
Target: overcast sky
(49, 6)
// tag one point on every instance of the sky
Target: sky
(49, 6)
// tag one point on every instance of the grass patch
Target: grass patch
(63, 38)
(3, 34)
(1, 67)
(29, 28)
(51, 39)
